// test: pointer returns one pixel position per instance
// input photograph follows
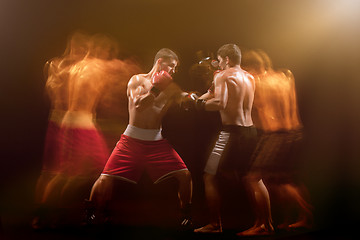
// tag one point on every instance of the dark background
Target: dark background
(317, 39)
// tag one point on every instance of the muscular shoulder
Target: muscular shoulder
(137, 79)
(287, 74)
(250, 77)
(237, 74)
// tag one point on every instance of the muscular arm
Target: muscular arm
(219, 99)
(206, 96)
(172, 91)
(143, 98)
(294, 114)
(139, 95)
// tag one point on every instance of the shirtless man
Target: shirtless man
(142, 147)
(83, 152)
(265, 103)
(276, 116)
(233, 96)
(56, 72)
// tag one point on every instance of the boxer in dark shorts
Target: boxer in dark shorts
(275, 158)
(232, 96)
(232, 150)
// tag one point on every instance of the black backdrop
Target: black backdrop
(318, 40)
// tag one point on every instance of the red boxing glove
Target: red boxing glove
(161, 80)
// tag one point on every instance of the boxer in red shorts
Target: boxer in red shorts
(138, 150)
(141, 147)
(56, 73)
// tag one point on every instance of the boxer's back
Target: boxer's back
(241, 88)
(86, 83)
(57, 84)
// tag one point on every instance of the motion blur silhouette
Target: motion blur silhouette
(275, 159)
(75, 150)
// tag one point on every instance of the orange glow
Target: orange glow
(88, 72)
(77, 82)
(275, 105)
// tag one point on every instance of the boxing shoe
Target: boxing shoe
(89, 214)
(186, 220)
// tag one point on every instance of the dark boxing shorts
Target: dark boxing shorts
(277, 152)
(232, 150)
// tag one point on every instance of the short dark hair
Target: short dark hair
(252, 59)
(232, 51)
(267, 61)
(166, 54)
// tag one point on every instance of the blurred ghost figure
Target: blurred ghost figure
(82, 151)
(56, 73)
(276, 116)
(202, 72)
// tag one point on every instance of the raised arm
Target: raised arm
(138, 94)
(214, 99)
(219, 101)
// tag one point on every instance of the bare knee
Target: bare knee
(209, 178)
(102, 187)
(183, 176)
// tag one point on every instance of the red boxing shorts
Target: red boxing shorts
(84, 152)
(132, 156)
(51, 160)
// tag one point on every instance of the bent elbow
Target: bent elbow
(221, 105)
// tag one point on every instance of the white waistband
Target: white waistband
(56, 116)
(143, 134)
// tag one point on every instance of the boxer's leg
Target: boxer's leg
(213, 199)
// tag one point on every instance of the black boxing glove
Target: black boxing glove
(192, 102)
(200, 104)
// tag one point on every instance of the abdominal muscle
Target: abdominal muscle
(147, 119)
(234, 117)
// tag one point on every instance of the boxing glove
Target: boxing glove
(192, 102)
(192, 96)
(160, 81)
(215, 64)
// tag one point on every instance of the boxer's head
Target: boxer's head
(77, 46)
(253, 62)
(103, 47)
(166, 60)
(229, 55)
(266, 59)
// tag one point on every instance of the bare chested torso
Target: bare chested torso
(85, 87)
(148, 117)
(275, 102)
(238, 94)
(57, 73)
